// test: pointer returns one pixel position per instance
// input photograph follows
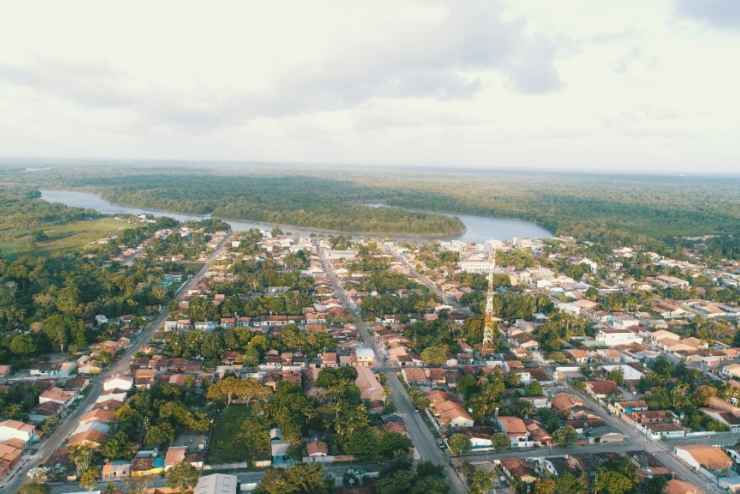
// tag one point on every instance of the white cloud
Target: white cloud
(478, 83)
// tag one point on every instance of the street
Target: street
(47, 447)
(420, 435)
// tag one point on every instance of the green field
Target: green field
(62, 238)
(224, 446)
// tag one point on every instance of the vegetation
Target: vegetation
(302, 201)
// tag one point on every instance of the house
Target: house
(415, 376)
(601, 388)
(174, 456)
(564, 402)
(631, 407)
(516, 430)
(329, 359)
(710, 460)
(11, 452)
(370, 388)
(116, 470)
(611, 337)
(279, 448)
(365, 356)
(56, 395)
(14, 429)
(91, 438)
(675, 486)
(517, 469)
(449, 413)
(316, 449)
(118, 382)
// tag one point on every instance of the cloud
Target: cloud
(439, 59)
(723, 14)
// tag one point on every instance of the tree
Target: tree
(565, 436)
(22, 344)
(501, 441)
(567, 483)
(89, 478)
(612, 482)
(245, 390)
(82, 457)
(545, 486)
(118, 446)
(182, 477)
(435, 355)
(480, 482)
(34, 488)
(459, 444)
(298, 479)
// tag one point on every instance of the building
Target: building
(676, 486)
(709, 460)
(118, 382)
(216, 483)
(516, 430)
(116, 470)
(611, 337)
(365, 356)
(14, 429)
(56, 395)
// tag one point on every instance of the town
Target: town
(354, 364)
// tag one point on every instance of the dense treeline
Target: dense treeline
(302, 201)
(610, 209)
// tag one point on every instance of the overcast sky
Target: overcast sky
(590, 84)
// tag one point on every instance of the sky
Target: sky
(591, 85)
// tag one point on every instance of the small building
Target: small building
(116, 470)
(216, 483)
(14, 429)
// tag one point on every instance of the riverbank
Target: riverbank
(476, 228)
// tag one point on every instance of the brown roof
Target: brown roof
(57, 394)
(317, 447)
(563, 402)
(602, 387)
(175, 455)
(709, 457)
(99, 415)
(513, 425)
(90, 437)
(676, 486)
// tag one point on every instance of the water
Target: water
(477, 228)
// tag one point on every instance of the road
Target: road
(635, 440)
(424, 279)
(420, 435)
(662, 451)
(122, 364)
(244, 477)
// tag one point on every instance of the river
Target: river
(477, 228)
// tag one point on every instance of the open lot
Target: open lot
(62, 237)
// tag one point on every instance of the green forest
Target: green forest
(613, 209)
(300, 201)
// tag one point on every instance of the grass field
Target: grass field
(224, 446)
(63, 237)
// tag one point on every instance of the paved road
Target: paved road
(122, 364)
(550, 452)
(419, 433)
(661, 450)
(245, 477)
(424, 279)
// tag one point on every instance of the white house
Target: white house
(14, 429)
(617, 337)
(119, 382)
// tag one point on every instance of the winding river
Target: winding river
(477, 228)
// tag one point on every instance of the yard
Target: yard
(60, 238)
(223, 446)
